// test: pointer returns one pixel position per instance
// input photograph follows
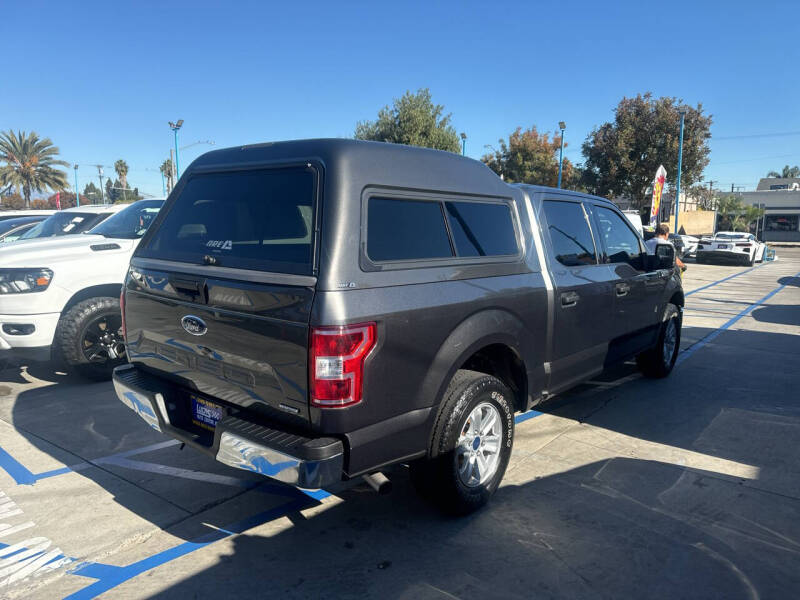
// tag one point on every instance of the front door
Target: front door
(583, 302)
(636, 291)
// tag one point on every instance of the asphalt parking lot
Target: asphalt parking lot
(687, 487)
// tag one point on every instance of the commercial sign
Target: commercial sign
(658, 188)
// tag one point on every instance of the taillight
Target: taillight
(336, 364)
(745, 244)
(122, 310)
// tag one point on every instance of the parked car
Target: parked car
(11, 229)
(689, 245)
(636, 220)
(733, 246)
(14, 214)
(316, 311)
(77, 219)
(59, 297)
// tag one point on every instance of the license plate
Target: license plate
(723, 246)
(205, 414)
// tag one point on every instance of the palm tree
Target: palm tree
(30, 164)
(787, 173)
(121, 167)
(166, 171)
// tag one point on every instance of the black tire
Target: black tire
(751, 260)
(440, 478)
(659, 361)
(76, 334)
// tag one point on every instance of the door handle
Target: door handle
(622, 289)
(569, 299)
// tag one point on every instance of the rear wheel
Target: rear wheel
(471, 445)
(751, 260)
(659, 361)
(89, 337)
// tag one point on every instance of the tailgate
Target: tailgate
(242, 342)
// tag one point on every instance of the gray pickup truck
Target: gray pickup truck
(320, 310)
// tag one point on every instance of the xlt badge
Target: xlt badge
(194, 325)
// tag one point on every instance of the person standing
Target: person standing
(662, 237)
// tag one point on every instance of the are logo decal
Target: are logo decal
(220, 244)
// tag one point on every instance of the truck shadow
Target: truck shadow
(618, 528)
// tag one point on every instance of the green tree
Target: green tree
(787, 173)
(413, 120)
(121, 167)
(530, 157)
(167, 172)
(735, 215)
(30, 163)
(92, 193)
(622, 156)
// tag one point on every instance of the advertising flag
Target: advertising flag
(658, 187)
(58, 200)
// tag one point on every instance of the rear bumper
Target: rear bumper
(285, 456)
(722, 255)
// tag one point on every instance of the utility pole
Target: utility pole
(100, 176)
(175, 127)
(77, 191)
(562, 126)
(682, 112)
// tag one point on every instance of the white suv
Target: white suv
(62, 293)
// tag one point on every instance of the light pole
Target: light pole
(77, 191)
(175, 127)
(682, 112)
(463, 144)
(100, 176)
(562, 126)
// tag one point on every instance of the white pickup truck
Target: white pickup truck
(59, 296)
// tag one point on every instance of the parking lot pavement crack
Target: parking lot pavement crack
(100, 467)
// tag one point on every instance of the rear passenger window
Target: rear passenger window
(406, 230)
(569, 233)
(622, 244)
(482, 228)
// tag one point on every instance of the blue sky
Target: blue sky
(102, 79)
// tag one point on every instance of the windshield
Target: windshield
(130, 223)
(63, 223)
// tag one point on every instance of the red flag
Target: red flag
(58, 200)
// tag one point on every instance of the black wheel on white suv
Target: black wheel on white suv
(471, 444)
(659, 361)
(89, 337)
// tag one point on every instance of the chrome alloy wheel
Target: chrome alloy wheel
(670, 340)
(478, 449)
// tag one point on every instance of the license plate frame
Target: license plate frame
(205, 413)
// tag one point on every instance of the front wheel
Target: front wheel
(89, 337)
(659, 361)
(471, 445)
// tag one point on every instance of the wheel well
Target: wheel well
(502, 362)
(111, 290)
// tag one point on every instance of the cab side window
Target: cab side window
(621, 243)
(570, 235)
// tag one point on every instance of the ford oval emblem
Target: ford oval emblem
(194, 325)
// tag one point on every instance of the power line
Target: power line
(754, 135)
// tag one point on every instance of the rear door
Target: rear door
(221, 288)
(636, 291)
(583, 311)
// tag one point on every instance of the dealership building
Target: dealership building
(780, 199)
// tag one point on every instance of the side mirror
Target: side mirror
(665, 257)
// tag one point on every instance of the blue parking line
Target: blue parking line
(110, 576)
(16, 469)
(730, 322)
(712, 284)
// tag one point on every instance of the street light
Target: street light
(682, 113)
(562, 126)
(175, 127)
(463, 144)
(77, 192)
